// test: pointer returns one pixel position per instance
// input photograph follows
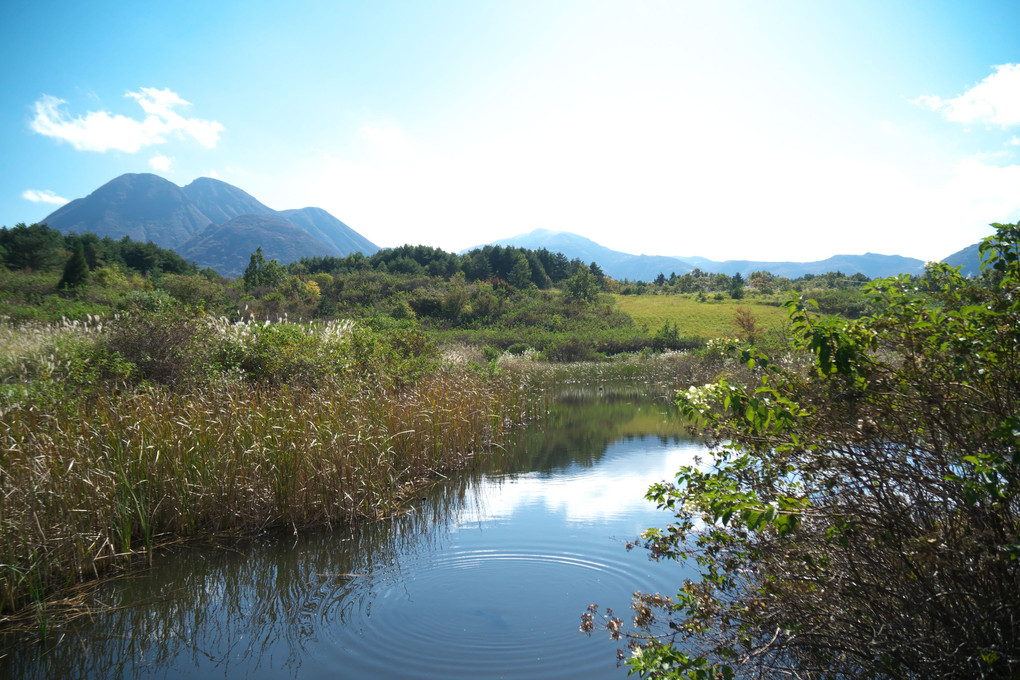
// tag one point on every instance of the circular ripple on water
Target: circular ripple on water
(508, 613)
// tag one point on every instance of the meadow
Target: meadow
(699, 319)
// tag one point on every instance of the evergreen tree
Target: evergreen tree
(76, 271)
(520, 273)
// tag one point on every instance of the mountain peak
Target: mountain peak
(222, 202)
(147, 207)
(142, 206)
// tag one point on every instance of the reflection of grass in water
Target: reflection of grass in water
(245, 601)
(90, 482)
(659, 420)
(583, 420)
(238, 602)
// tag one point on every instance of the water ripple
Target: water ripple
(466, 612)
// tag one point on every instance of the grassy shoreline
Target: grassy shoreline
(119, 435)
(99, 465)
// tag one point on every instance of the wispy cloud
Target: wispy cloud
(995, 100)
(160, 162)
(102, 131)
(44, 196)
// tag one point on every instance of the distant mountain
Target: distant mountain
(647, 267)
(329, 230)
(227, 247)
(871, 265)
(144, 207)
(616, 264)
(213, 223)
(969, 259)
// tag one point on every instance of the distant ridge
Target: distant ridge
(210, 222)
(647, 267)
(968, 259)
(329, 230)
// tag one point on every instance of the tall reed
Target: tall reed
(104, 475)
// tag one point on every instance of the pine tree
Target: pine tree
(76, 271)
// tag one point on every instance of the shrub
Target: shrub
(861, 514)
(164, 346)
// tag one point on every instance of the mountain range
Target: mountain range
(209, 222)
(646, 267)
(218, 225)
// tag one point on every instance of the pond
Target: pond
(485, 575)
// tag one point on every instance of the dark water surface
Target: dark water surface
(485, 577)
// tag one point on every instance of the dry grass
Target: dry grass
(94, 481)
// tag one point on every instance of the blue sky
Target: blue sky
(760, 130)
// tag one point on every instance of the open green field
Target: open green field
(709, 319)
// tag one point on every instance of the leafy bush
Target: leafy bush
(861, 514)
(272, 353)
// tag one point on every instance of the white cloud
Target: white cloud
(44, 196)
(101, 130)
(160, 162)
(995, 100)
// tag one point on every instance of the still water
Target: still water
(485, 576)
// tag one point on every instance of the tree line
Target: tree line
(39, 248)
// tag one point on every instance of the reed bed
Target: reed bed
(101, 478)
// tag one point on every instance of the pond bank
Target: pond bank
(484, 574)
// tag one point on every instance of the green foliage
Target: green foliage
(668, 337)
(197, 291)
(737, 287)
(272, 353)
(39, 248)
(76, 271)
(583, 286)
(520, 273)
(35, 247)
(851, 303)
(263, 274)
(88, 366)
(861, 514)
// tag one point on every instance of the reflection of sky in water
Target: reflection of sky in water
(615, 487)
(485, 575)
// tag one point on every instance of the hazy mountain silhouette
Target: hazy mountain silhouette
(209, 221)
(329, 230)
(968, 259)
(646, 267)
